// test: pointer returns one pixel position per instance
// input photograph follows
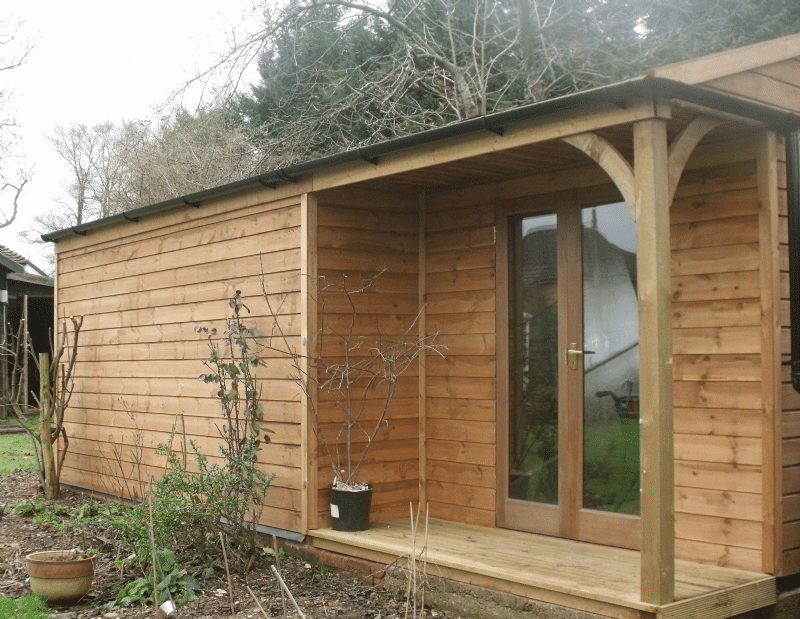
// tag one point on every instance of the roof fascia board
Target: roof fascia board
(722, 64)
(470, 145)
(11, 265)
(381, 159)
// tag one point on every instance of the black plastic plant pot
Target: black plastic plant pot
(350, 509)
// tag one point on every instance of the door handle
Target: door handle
(573, 355)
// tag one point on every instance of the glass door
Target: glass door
(572, 427)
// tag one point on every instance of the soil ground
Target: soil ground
(321, 593)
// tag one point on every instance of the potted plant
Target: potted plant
(60, 576)
(350, 380)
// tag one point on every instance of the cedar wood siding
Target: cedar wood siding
(360, 233)
(778, 84)
(461, 388)
(717, 348)
(142, 288)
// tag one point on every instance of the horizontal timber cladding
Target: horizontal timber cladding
(778, 83)
(143, 288)
(461, 416)
(361, 234)
(718, 360)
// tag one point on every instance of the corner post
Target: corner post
(651, 168)
(423, 369)
(308, 342)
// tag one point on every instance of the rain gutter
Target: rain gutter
(619, 95)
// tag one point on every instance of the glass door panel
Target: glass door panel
(533, 415)
(610, 360)
(570, 463)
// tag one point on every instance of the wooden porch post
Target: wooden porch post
(308, 331)
(651, 170)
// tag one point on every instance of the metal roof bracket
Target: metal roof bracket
(500, 130)
(285, 177)
(372, 160)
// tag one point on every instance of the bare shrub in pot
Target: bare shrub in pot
(349, 370)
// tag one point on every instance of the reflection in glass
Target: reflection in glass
(533, 448)
(611, 361)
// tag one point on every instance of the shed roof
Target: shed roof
(621, 94)
(722, 64)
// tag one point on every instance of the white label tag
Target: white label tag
(334, 511)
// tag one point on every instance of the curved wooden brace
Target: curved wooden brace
(683, 146)
(610, 159)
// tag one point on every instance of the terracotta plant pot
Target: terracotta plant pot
(350, 509)
(59, 578)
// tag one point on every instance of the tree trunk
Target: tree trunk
(48, 473)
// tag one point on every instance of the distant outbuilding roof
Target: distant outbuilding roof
(17, 263)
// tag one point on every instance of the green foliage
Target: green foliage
(86, 512)
(175, 523)
(172, 582)
(29, 509)
(323, 573)
(199, 496)
(49, 520)
(27, 607)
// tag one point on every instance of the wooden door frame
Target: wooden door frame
(568, 519)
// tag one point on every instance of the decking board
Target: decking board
(584, 576)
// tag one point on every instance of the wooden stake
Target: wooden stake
(153, 548)
(289, 593)
(228, 572)
(253, 595)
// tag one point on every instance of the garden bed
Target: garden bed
(320, 592)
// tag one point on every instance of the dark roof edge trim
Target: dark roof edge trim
(618, 94)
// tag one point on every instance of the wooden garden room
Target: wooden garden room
(610, 426)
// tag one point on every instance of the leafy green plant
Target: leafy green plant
(232, 493)
(323, 573)
(29, 509)
(199, 497)
(86, 512)
(173, 583)
(27, 607)
(49, 520)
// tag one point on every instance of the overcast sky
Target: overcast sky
(98, 60)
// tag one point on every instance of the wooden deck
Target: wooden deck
(587, 577)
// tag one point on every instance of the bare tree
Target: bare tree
(182, 154)
(351, 376)
(56, 382)
(446, 60)
(14, 53)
